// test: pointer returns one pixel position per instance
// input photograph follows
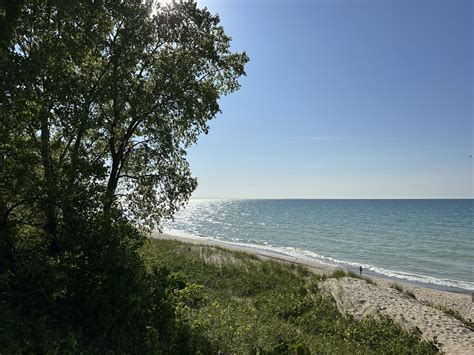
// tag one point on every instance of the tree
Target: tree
(99, 101)
(107, 96)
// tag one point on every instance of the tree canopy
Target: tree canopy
(102, 99)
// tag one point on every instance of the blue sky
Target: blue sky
(344, 99)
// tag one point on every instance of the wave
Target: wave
(308, 255)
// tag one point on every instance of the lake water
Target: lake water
(426, 241)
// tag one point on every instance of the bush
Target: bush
(97, 295)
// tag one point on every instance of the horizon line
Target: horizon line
(332, 198)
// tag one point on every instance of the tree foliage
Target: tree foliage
(99, 102)
(107, 96)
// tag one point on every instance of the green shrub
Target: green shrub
(266, 307)
(97, 295)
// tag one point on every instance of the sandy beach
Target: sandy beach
(416, 307)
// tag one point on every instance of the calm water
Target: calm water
(428, 241)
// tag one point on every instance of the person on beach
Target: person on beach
(360, 270)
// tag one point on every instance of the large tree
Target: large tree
(101, 99)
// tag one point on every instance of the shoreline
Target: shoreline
(455, 300)
(315, 264)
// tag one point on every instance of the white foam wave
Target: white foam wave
(308, 255)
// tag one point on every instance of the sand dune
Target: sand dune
(360, 299)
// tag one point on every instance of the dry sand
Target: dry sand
(360, 299)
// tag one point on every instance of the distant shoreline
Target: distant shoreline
(334, 199)
(313, 265)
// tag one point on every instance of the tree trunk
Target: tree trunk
(112, 185)
(50, 225)
(6, 243)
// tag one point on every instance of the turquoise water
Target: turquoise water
(427, 241)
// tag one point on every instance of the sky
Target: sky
(344, 99)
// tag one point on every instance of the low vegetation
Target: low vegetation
(242, 304)
(337, 274)
(399, 288)
(156, 297)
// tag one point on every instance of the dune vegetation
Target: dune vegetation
(240, 303)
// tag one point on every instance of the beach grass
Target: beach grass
(339, 273)
(399, 288)
(243, 304)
